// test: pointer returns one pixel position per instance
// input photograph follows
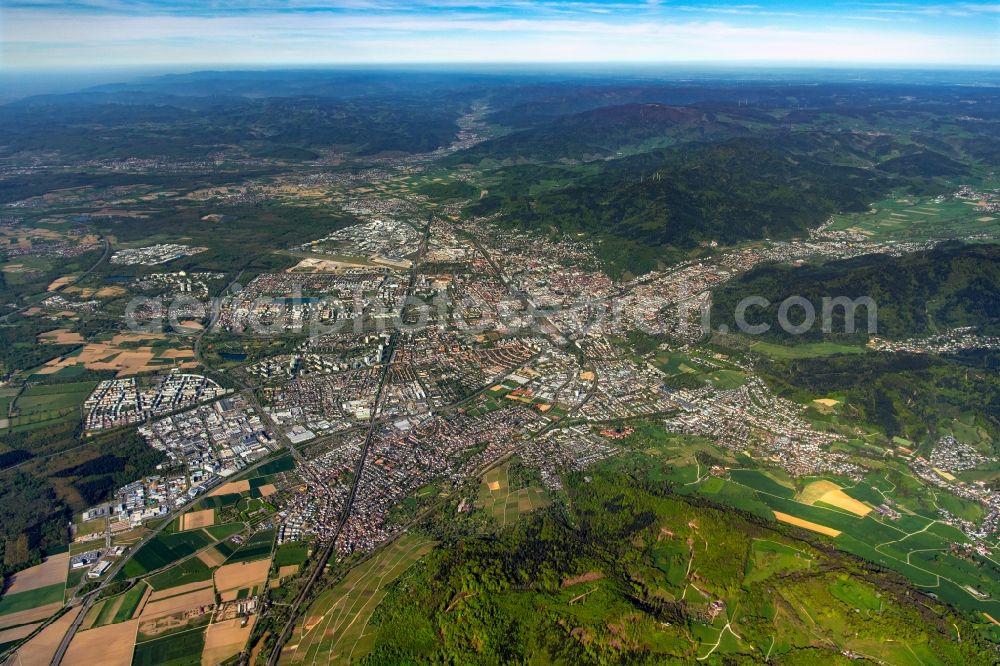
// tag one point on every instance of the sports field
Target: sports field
(335, 628)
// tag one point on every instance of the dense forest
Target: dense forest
(908, 395)
(952, 285)
(38, 498)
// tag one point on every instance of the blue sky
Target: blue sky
(187, 33)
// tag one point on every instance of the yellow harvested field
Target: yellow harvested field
(118, 355)
(17, 633)
(211, 557)
(60, 282)
(947, 476)
(30, 615)
(183, 602)
(180, 589)
(225, 639)
(110, 645)
(108, 292)
(195, 519)
(267, 490)
(61, 337)
(178, 353)
(231, 578)
(985, 218)
(53, 570)
(798, 522)
(40, 649)
(288, 570)
(494, 485)
(830, 493)
(231, 487)
(826, 402)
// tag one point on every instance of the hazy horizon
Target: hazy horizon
(19, 84)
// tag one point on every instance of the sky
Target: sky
(65, 35)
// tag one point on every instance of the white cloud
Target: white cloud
(60, 38)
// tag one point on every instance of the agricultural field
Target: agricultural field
(171, 614)
(225, 638)
(42, 647)
(239, 580)
(768, 558)
(166, 549)
(917, 546)
(257, 547)
(179, 649)
(334, 628)
(289, 554)
(915, 219)
(498, 499)
(39, 405)
(125, 354)
(32, 596)
(118, 608)
(244, 500)
(110, 645)
(191, 570)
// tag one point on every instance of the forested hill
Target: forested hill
(605, 131)
(730, 191)
(918, 294)
(917, 396)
